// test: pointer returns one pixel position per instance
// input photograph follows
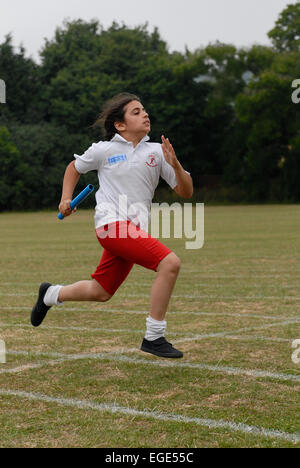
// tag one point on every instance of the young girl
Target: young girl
(129, 167)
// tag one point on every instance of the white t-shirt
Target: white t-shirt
(128, 177)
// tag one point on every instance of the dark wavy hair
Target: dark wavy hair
(114, 111)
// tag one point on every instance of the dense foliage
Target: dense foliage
(228, 110)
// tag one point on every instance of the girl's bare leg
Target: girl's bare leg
(88, 290)
(163, 286)
(154, 341)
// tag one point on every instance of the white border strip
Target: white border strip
(104, 407)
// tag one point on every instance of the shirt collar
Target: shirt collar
(118, 137)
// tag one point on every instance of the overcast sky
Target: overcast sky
(191, 23)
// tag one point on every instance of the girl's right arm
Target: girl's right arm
(70, 181)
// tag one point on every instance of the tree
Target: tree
(271, 127)
(85, 65)
(12, 187)
(46, 150)
(22, 84)
(221, 72)
(285, 36)
(227, 110)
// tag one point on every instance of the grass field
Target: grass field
(80, 380)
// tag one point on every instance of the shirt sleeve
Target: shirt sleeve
(90, 160)
(167, 172)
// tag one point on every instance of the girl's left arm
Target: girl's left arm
(184, 187)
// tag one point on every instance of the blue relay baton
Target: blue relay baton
(80, 197)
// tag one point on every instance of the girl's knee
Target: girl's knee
(104, 297)
(99, 293)
(171, 263)
(176, 264)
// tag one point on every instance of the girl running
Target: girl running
(129, 167)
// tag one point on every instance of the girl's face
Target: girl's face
(136, 120)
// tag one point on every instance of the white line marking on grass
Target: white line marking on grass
(211, 296)
(257, 338)
(17, 294)
(181, 296)
(139, 273)
(213, 274)
(145, 312)
(234, 332)
(158, 416)
(15, 370)
(113, 356)
(284, 275)
(110, 330)
(131, 283)
(19, 283)
(221, 297)
(271, 286)
(87, 329)
(194, 337)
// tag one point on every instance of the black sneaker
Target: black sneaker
(40, 309)
(160, 347)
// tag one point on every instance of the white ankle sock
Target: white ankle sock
(51, 296)
(155, 328)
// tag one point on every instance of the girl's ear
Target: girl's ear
(120, 126)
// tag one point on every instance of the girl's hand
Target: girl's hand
(65, 209)
(169, 153)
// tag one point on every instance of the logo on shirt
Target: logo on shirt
(151, 162)
(116, 158)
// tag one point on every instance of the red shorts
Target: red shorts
(123, 247)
